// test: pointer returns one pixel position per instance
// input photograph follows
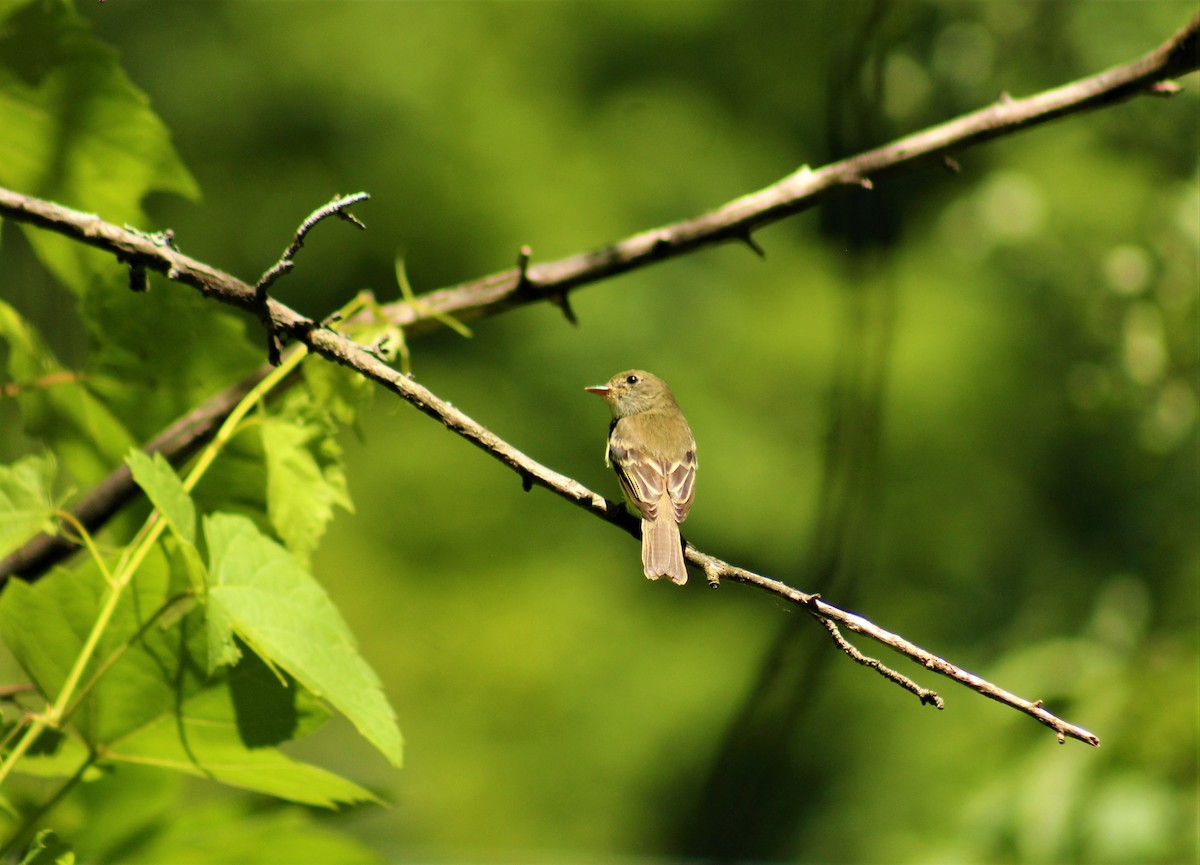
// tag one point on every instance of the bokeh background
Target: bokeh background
(962, 405)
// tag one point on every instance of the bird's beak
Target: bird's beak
(599, 390)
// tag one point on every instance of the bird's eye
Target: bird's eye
(631, 379)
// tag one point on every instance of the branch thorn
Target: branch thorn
(139, 281)
(561, 300)
(748, 238)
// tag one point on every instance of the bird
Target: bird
(651, 448)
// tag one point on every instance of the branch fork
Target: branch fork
(489, 295)
(286, 263)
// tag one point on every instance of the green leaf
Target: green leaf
(238, 480)
(262, 593)
(63, 761)
(120, 806)
(185, 560)
(226, 830)
(152, 668)
(339, 391)
(159, 354)
(162, 485)
(56, 406)
(304, 481)
(25, 504)
(77, 131)
(219, 627)
(149, 707)
(226, 733)
(46, 849)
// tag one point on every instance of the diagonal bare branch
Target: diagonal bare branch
(496, 293)
(490, 295)
(339, 349)
(737, 220)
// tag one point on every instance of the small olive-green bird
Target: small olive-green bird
(650, 446)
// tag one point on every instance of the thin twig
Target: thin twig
(336, 207)
(336, 347)
(805, 188)
(286, 262)
(340, 349)
(498, 292)
(925, 695)
(733, 221)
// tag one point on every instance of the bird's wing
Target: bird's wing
(681, 483)
(648, 481)
(642, 478)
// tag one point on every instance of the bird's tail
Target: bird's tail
(662, 552)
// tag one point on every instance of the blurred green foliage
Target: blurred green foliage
(963, 405)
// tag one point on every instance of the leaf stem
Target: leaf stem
(230, 427)
(131, 559)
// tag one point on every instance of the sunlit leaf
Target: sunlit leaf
(279, 610)
(77, 131)
(304, 481)
(25, 504)
(155, 475)
(148, 668)
(56, 406)
(227, 733)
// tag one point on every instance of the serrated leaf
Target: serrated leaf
(57, 408)
(219, 735)
(227, 830)
(63, 762)
(149, 707)
(337, 390)
(153, 668)
(77, 131)
(25, 505)
(159, 354)
(159, 481)
(284, 615)
(304, 481)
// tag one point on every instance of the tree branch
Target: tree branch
(177, 442)
(736, 220)
(551, 281)
(338, 348)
